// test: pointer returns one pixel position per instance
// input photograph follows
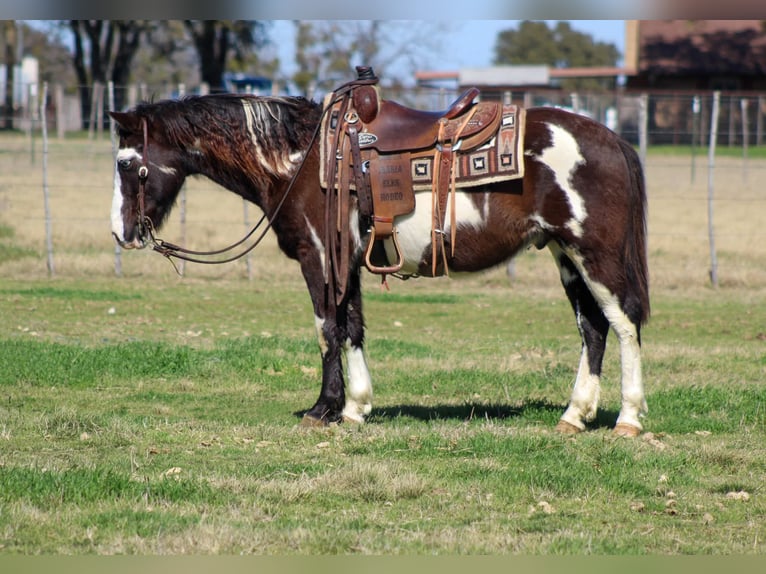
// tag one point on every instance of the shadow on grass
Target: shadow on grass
(534, 411)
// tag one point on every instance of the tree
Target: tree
(104, 51)
(558, 47)
(9, 41)
(327, 51)
(218, 41)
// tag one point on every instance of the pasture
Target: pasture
(154, 414)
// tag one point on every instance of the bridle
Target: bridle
(170, 250)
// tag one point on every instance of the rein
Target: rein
(170, 250)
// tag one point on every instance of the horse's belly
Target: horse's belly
(414, 229)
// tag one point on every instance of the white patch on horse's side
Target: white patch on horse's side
(359, 387)
(319, 326)
(563, 157)
(633, 397)
(415, 228)
(318, 245)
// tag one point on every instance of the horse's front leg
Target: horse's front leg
(332, 399)
(359, 396)
(340, 332)
(329, 406)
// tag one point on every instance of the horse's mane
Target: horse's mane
(287, 121)
(259, 136)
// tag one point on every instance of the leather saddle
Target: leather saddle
(368, 145)
(399, 128)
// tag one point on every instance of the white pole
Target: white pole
(745, 135)
(643, 122)
(710, 178)
(46, 202)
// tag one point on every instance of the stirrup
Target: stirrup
(383, 269)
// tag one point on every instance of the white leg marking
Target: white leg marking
(633, 397)
(583, 403)
(563, 157)
(359, 387)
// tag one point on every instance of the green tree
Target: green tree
(559, 47)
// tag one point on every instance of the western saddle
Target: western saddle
(382, 150)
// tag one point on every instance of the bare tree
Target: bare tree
(103, 51)
(218, 41)
(327, 51)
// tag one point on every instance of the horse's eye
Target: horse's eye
(124, 164)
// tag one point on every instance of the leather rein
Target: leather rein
(170, 250)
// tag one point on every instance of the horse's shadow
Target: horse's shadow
(534, 410)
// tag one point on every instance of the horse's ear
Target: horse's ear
(127, 121)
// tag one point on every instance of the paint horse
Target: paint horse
(582, 196)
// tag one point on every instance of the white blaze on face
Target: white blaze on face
(118, 227)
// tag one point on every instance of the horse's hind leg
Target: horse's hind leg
(594, 328)
(627, 330)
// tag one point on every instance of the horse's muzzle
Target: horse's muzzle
(137, 242)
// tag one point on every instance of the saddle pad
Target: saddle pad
(497, 160)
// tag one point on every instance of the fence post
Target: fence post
(113, 138)
(643, 124)
(60, 114)
(710, 186)
(745, 136)
(46, 202)
(695, 131)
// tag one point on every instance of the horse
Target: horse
(582, 196)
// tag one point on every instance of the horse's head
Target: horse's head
(148, 176)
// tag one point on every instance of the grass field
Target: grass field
(154, 414)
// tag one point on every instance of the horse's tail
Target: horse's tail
(635, 247)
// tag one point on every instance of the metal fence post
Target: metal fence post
(710, 187)
(46, 202)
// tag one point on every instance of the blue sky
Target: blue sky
(471, 43)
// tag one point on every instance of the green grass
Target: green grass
(167, 426)
(9, 250)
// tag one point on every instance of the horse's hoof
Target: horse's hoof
(312, 422)
(625, 429)
(564, 427)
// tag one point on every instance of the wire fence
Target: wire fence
(710, 141)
